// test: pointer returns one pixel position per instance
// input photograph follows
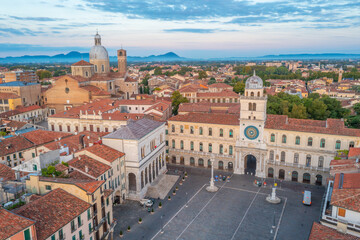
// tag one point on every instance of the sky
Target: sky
(190, 28)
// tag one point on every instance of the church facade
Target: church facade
(257, 143)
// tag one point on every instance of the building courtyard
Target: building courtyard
(238, 210)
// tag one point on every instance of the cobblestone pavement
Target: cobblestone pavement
(237, 211)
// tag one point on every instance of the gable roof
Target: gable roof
(90, 186)
(107, 153)
(82, 63)
(321, 232)
(11, 223)
(89, 166)
(14, 144)
(39, 137)
(6, 173)
(347, 196)
(135, 129)
(53, 211)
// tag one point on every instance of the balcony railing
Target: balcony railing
(217, 155)
(297, 165)
(152, 153)
(350, 225)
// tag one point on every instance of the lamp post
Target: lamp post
(186, 194)
(212, 187)
(162, 224)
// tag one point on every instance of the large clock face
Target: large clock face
(251, 132)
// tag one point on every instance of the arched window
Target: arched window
(181, 128)
(201, 162)
(351, 144)
(321, 161)
(310, 140)
(258, 94)
(254, 107)
(210, 147)
(102, 68)
(252, 94)
(308, 160)
(201, 147)
(221, 149)
(191, 145)
(192, 161)
(271, 155)
(181, 144)
(338, 144)
(230, 150)
(191, 130)
(209, 163)
(282, 158)
(322, 143)
(173, 143)
(210, 131)
(221, 132)
(296, 158)
(250, 106)
(221, 165)
(201, 131)
(272, 138)
(96, 68)
(231, 134)
(270, 172)
(173, 128)
(283, 138)
(297, 140)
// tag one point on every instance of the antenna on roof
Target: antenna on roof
(254, 73)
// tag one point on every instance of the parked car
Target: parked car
(307, 198)
(146, 202)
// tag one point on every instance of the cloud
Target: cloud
(191, 30)
(32, 48)
(39, 19)
(19, 32)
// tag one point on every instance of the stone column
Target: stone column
(212, 187)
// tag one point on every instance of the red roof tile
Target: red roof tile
(321, 232)
(53, 211)
(95, 91)
(107, 153)
(353, 152)
(19, 110)
(4, 95)
(6, 173)
(14, 144)
(220, 85)
(82, 63)
(90, 186)
(89, 166)
(108, 192)
(348, 196)
(39, 137)
(11, 223)
(330, 126)
(225, 93)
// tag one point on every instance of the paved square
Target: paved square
(237, 211)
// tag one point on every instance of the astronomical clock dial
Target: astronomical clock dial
(251, 132)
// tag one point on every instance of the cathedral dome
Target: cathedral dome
(98, 52)
(254, 82)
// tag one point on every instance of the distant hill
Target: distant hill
(74, 56)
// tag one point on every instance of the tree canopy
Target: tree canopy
(177, 99)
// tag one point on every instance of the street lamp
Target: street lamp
(212, 187)
(186, 194)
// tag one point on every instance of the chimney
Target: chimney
(81, 140)
(86, 169)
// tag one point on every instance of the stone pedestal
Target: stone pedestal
(272, 198)
(212, 187)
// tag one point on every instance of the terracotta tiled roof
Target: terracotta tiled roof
(160, 106)
(90, 186)
(53, 211)
(321, 232)
(95, 91)
(19, 110)
(117, 115)
(82, 63)
(330, 126)
(137, 102)
(78, 175)
(348, 196)
(210, 118)
(73, 142)
(102, 105)
(4, 95)
(353, 152)
(39, 137)
(61, 167)
(220, 85)
(13, 124)
(6, 173)
(89, 166)
(107, 153)
(108, 192)
(13, 145)
(129, 79)
(11, 223)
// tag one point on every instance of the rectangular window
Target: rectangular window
(27, 235)
(53, 237)
(90, 228)
(341, 212)
(52, 127)
(79, 221)
(107, 202)
(73, 226)
(33, 155)
(34, 167)
(68, 128)
(61, 234)
(47, 187)
(20, 155)
(108, 217)
(74, 237)
(89, 214)
(77, 128)
(81, 235)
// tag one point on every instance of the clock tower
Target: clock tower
(250, 146)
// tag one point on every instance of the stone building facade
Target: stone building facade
(258, 143)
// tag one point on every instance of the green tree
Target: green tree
(59, 73)
(298, 111)
(239, 87)
(353, 121)
(318, 110)
(177, 99)
(211, 81)
(145, 81)
(202, 75)
(356, 108)
(43, 74)
(158, 71)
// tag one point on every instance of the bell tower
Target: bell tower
(122, 61)
(250, 146)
